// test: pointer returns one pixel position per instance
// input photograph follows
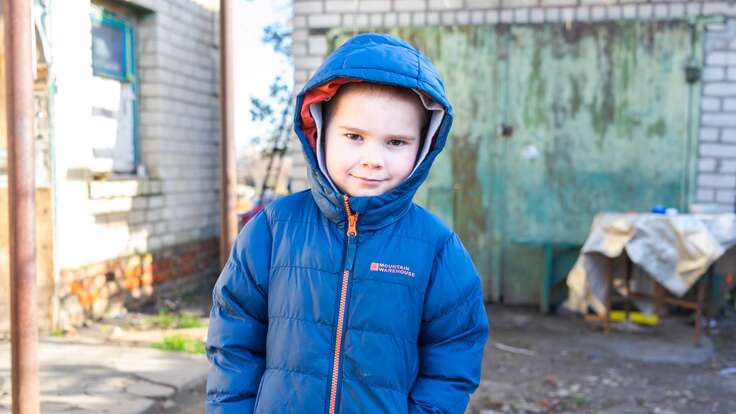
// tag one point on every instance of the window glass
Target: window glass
(107, 49)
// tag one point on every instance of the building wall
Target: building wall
(716, 170)
(116, 234)
(717, 164)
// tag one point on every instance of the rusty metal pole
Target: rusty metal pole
(22, 186)
(228, 178)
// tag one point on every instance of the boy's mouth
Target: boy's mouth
(369, 181)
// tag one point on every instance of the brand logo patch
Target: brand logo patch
(392, 268)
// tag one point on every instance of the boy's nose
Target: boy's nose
(371, 157)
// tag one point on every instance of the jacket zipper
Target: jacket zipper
(351, 233)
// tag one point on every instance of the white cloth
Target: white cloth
(675, 250)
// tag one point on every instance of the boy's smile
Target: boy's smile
(372, 140)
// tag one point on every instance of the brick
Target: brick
(405, 19)
(481, 4)
(317, 45)
(582, 13)
(598, 13)
(445, 4)
(629, 11)
(707, 165)
(376, 20)
(645, 11)
(710, 104)
(720, 58)
(340, 6)
(661, 11)
(521, 15)
(348, 20)
(375, 5)
(614, 12)
(463, 17)
(729, 105)
(719, 89)
(509, 4)
(506, 16)
(361, 20)
(324, 20)
(492, 16)
(719, 8)
(728, 134)
(448, 17)
(478, 17)
(714, 73)
(718, 150)
(419, 18)
(677, 10)
(718, 120)
(717, 180)
(552, 15)
(706, 195)
(693, 9)
(731, 74)
(726, 196)
(536, 15)
(307, 7)
(299, 21)
(410, 5)
(551, 3)
(299, 49)
(727, 166)
(299, 35)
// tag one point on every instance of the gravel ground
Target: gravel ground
(559, 364)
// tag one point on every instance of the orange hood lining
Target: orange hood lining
(321, 93)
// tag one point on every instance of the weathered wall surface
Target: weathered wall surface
(715, 181)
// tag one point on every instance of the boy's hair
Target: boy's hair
(329, 107)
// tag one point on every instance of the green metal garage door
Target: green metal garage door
(597, 118)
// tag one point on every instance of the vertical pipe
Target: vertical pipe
(21, 183)
(228, 218)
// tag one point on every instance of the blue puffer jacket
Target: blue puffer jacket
(336, 304)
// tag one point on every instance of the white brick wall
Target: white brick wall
(717, 144)
(717, 164)
(177, 57)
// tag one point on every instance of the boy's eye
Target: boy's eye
(397, 142)
(353, 137)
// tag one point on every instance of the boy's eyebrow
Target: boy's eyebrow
(363, 132)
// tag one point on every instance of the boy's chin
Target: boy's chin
(366, 192)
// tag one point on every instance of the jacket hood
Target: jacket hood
(376, 58)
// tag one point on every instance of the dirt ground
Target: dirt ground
(538, 363)
(560, 364)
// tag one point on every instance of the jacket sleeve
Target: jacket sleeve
(236, 339)
(453, 334)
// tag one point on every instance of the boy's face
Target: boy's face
(372, 140)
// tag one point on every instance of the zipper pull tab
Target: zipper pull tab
(352, 218)
(352, 222)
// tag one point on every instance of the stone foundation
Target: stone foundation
(106, 288)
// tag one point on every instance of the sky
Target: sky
(256, 64)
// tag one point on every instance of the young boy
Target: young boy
(348, 297)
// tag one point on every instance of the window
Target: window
(114, 108)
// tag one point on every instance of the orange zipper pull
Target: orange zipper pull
(352, 218)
